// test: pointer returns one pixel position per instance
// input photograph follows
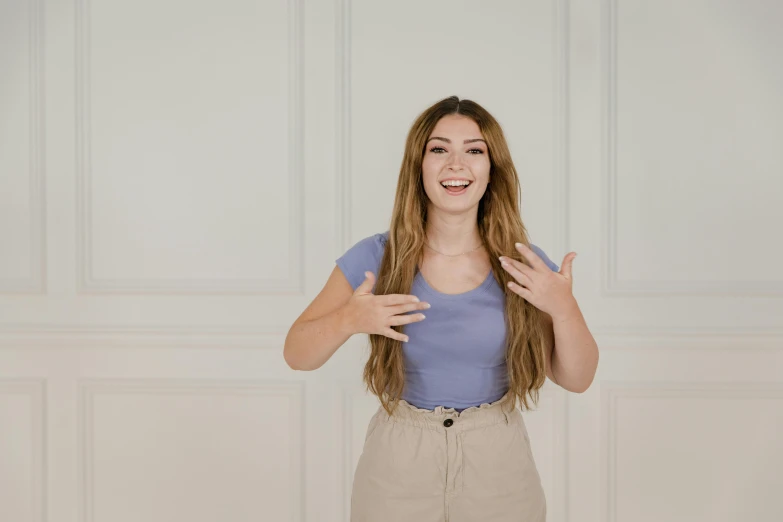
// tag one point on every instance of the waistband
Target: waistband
(486, 414)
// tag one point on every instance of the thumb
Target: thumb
(367, 284)
(568, 263)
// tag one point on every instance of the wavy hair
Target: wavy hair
(500, 226)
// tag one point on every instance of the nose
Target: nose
(455, 161)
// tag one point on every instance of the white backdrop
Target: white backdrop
(177, 179)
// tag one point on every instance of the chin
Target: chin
(458, 207)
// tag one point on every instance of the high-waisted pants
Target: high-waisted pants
(441, 465)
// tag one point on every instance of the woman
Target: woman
(447, 442)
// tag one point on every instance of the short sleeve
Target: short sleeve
(364, 256)
(545, 258)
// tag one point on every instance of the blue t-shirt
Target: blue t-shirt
(456, 356)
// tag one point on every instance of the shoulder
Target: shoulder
(372, 245)
(364, 255)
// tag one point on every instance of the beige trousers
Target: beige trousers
(446, 466)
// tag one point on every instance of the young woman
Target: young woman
(462, 320)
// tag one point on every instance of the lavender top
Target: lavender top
(456, 356)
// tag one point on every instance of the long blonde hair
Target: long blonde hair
(500, 226)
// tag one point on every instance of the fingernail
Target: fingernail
(405, 340)
(428, 306)
(415, 299)
(517, 245)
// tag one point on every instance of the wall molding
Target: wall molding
(292, 284)
(562, 171)
(35, 391)
(44, 336)
(611, 285)
(38, 335)
(342, 130)
(557, 498)
(294, 391)
(347, 392)
(686, 338)
(37, 232)
(611, 391)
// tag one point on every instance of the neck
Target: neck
(453, 237)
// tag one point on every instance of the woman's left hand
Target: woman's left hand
(547, 290)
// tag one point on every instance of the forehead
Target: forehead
(456, 125)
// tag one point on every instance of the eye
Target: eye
(433, 149)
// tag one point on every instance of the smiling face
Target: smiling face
(455, 150)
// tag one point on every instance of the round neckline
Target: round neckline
(479, 289)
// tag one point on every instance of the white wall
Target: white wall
(177, 178)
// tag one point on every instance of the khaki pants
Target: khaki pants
(443, 466)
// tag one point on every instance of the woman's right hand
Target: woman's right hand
(376, 314)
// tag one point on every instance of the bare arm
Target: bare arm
(575, 357)
(549, 346)
(338, 312)
(322, 328)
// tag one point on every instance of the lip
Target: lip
(464, 189)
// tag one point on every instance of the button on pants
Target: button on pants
(441, 465)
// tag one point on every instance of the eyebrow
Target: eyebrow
(449, 141)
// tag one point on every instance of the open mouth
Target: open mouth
(456, 190)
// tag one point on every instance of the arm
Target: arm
(574, 353)
(322, 328)
(571, 351)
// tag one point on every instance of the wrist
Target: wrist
(345, 321)
(567, 312)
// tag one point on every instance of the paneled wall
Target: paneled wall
(177, 179)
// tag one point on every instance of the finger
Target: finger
(397, 299)
(519, 265)
(519, 270)
(407, 307)
(532, 258)
(568, 264)
(520, 290)
(395, 335)
(366, 286)
(397, 320)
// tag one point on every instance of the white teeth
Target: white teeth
(455, 183)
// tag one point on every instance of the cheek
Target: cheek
(481, 164)
(430, 185)
(429, 171)
(429, 164)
